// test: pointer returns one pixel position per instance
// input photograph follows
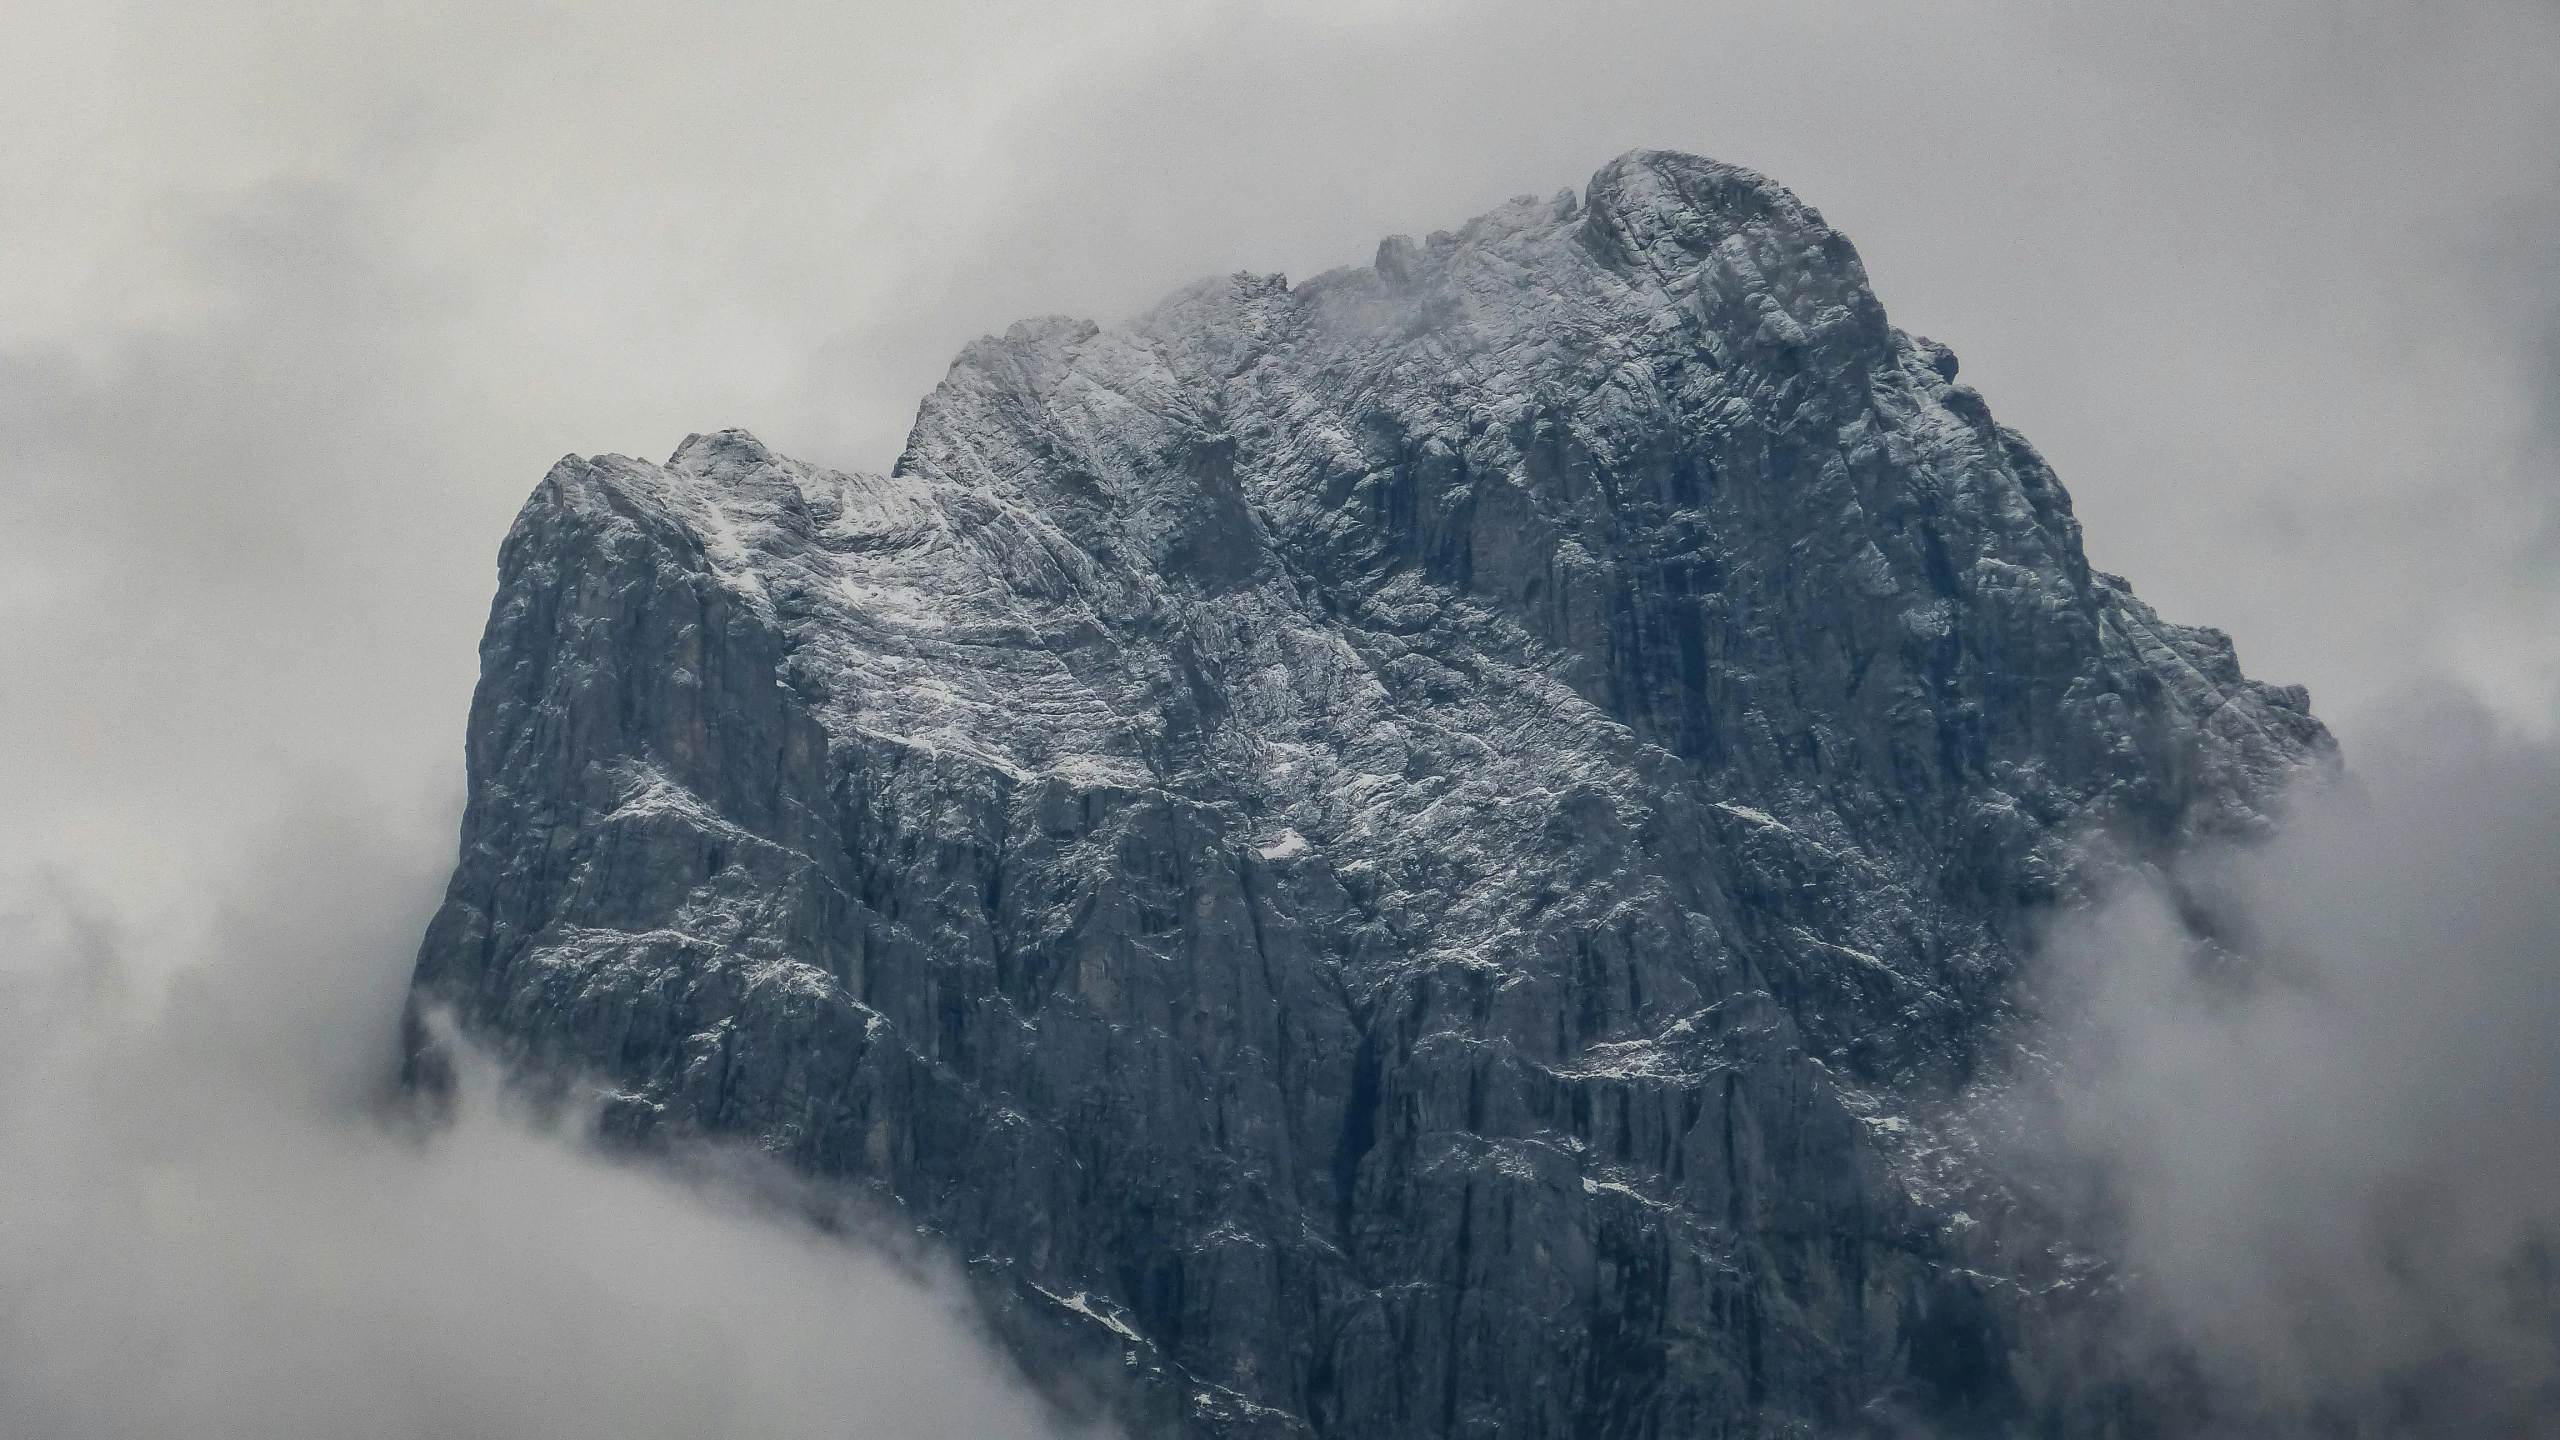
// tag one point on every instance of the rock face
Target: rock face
(1415, 854)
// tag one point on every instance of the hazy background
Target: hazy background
(2334, 1166)
(298, 300)
(211, 1235)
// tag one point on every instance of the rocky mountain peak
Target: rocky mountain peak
(1422, 852)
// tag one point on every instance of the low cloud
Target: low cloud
(307, 296)
(2330, 1136)
(217, 1228)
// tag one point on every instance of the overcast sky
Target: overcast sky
(299, 298)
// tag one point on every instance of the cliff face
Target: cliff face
(1406, 855)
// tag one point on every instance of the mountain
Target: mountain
(1420, 853)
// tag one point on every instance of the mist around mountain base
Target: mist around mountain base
(2316, 1078)
(220, 1223)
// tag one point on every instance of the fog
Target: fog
(217, 1229)
(300, 299)
(2331, 1137)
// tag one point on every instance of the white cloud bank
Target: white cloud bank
(214, 1230)
(2336, 1162)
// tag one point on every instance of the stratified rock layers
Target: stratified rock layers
(1403, 856)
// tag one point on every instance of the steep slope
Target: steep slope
(1413, 854)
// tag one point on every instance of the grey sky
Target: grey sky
(298, 299)
(304, 297)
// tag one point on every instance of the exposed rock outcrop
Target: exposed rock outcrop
(1405, 855)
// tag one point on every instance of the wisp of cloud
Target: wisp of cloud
(216, 1229)
(2331, 1133)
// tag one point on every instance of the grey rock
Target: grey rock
(1421, 853)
